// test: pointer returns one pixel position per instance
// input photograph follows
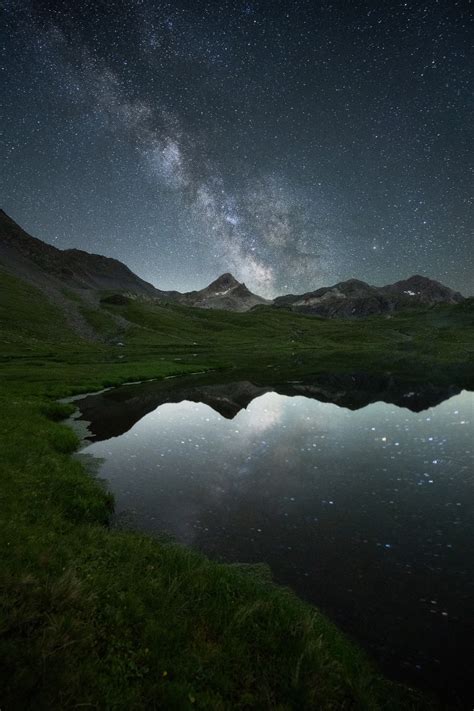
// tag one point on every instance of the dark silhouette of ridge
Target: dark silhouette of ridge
(51, 269)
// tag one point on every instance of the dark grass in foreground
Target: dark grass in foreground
(100, 618)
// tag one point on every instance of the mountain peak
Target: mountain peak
(425, 289)
(418, 279)
(354, 298)
(225, 292)
(225, 282)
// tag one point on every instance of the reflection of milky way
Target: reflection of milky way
(290, 144)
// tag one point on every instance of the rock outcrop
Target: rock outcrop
(224, 293)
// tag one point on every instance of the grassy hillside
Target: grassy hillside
(437, 343)
(95, 617)
(407, 342)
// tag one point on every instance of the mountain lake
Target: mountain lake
(356, 492)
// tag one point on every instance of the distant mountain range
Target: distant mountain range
(90, 275)
(354, 298)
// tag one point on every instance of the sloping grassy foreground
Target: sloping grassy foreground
(93, 617)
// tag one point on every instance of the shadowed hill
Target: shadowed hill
(71, 279)
(31, 258)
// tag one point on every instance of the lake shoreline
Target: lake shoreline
(216, 506)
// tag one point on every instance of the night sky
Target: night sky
(294, 144)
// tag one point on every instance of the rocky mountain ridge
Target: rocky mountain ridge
(224, 293)
(90, 275)
(29, 257)
(354, 298)
(50, 268)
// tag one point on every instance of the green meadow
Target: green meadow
(96, 617)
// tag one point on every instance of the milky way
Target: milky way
(292, 143)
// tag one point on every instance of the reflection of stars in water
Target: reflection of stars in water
(248, 488)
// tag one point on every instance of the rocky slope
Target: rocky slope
(52, 269)
(421, 290)
(224, 293)
(354, 298)
(31, 258)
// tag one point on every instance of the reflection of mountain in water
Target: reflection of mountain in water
(115, 411)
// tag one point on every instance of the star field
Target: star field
(293, 143)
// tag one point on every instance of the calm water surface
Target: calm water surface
(368, 513)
